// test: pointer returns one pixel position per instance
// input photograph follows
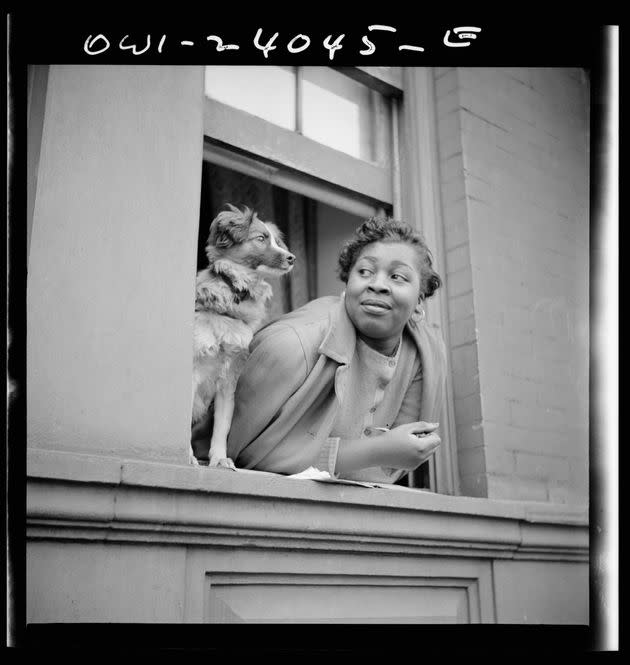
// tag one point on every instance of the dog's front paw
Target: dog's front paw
(192, 459)
(221, 463)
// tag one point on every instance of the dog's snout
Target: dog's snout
(291, 259)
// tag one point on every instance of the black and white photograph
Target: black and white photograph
(309, 335)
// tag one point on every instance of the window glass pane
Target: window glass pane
(268, 92)
(344, 114)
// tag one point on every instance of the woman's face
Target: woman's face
(382, 292)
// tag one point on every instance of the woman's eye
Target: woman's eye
(364, 272)
(399, 278)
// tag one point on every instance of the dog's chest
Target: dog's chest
(216, 334)
(252, 312)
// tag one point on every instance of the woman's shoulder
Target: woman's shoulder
(313, 312)
(308, 318)
(305, 326)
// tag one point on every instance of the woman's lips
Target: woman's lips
(375, 306)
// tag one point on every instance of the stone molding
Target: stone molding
(90, 498)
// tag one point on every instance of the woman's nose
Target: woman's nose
(379, 284)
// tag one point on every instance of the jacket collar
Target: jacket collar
(340, 338)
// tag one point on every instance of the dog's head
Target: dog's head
(245, 239)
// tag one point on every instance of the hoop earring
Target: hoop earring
(419, 314)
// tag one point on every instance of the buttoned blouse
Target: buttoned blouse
(374, 397)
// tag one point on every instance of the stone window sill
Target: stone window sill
(89, 497)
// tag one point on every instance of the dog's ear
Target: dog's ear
(230, 227)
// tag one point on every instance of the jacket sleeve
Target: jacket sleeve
(275, 369)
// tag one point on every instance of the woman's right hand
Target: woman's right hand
(407, 446)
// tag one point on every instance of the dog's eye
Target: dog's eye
(260, 238)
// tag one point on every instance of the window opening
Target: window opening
(314, 231)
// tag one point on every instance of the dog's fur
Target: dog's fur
(230, 305)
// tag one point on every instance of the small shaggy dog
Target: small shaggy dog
(230, 305)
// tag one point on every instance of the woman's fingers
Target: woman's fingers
(421, 428)
(424, 447)
(428, 442)
(409, 445)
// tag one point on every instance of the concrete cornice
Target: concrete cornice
(84, 497)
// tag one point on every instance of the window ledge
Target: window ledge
(99, 497)
(116, 471)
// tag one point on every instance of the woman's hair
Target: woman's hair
(379, 229)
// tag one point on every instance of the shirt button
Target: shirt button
(373, 409)
(367, 431)
(392, 363)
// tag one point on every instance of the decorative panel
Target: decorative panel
(315, 598)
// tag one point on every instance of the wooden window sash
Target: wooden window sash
(276, 174)
(262, 139)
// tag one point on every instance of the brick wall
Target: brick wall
(513, 148)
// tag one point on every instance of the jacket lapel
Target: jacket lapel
(340, 338)
(433, 354)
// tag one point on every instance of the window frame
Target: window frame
(240, 140)
(280, 147)
(421, 202)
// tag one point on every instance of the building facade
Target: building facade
(126, 167)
